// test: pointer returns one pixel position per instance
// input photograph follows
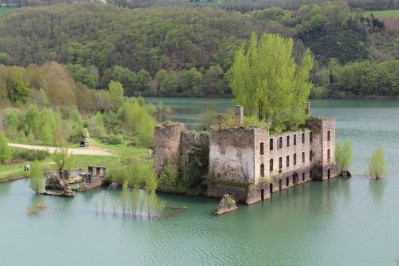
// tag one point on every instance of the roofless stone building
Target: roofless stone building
(248, 162)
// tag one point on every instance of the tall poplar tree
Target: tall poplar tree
(36, 177)
(269, 84)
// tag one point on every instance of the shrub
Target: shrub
(30, 155)
(377, 167)
(113, 139)
(36, 177)
(5, 151)
(343, 157)
(230, 201)
(167, 176)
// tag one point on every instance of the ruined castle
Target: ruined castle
(248, 162)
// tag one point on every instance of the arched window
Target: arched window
(288, 141)
(294, 158)
(280, 143)
(280, 163)
(294, 139)
(271, 165)
(262, 170)
(303, 137)
(262, 151)
(288, 161)
(271, 144)
(311, 137)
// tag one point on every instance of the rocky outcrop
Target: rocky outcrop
(227, 204)
(67, 192)
(54, 182)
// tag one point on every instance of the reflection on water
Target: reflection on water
(377, 188)
(5, 189)
(36, 205)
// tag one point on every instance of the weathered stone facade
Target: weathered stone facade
(173, 143)
(247, 162)
(269, 163)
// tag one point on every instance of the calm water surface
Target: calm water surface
(341, 222)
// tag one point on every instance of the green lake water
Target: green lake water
(338, 222)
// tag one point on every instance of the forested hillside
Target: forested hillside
(177, 51)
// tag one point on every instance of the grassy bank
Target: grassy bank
(6, 10)
(383, 13)
(122, 152)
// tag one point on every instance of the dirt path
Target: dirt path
(75, 151)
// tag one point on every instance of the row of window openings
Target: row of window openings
(294, 179)
(280, 161)
(280, 142)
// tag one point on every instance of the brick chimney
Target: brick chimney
(239, 113)
(307, 108)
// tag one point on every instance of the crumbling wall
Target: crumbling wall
(166, 144)
(323, 147)
(231, 153)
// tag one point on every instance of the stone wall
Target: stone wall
(252, 155)
(174, 143)
(284, 153)
(323, 147)
(231, 153)
(239, 193)
(167, 144)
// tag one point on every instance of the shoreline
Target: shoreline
(10, 179)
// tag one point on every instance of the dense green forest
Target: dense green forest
(237, 5)
(180, 51)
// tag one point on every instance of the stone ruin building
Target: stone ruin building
(248, 162)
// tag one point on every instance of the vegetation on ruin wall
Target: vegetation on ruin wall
(188, 52)
(190, 177)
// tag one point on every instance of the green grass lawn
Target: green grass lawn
(121, 152)
(383, 13)
(6, 10)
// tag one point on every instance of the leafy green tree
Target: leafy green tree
(143, 79)
(43, 100)
(11, 120)
(135, 199)
(215, 82)
(46, 134)
(5, 151)
(62, 158)
(5, 58)
(191, 83)
(343, 158)
(19, 90)
(36, 177)
(269, 84)
(151, 182)
(124, 196)
(377, 167)
(115, 91)
(31, 120)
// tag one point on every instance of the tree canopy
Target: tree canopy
(269, 84)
